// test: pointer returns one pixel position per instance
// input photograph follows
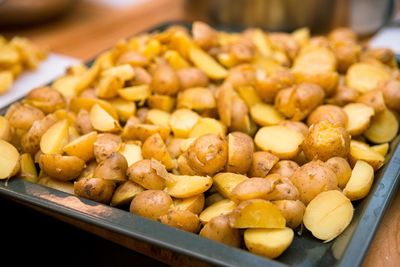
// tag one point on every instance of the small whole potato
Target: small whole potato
(151, 204)
(240, 152)
(331, 113)
(112, 168)
(62, 168)
(285, 168)
(219, 229)
(208, 154)
(391, 94)
(342, 169)
(144, 173)
(192, 77)
(326, 140)
(22, 116)
(292, 210)
(181, 219)
(313, 178)
(105, 145)
(46, 99)
(262, 163)
(165, 81)
(95, 189)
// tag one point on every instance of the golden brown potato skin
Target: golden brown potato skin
(181, 219)
(292, 210)
(241, 75)
(269, 86)
(95, 189)
(22, 116)
(151, 204)
(62, 168)
(325, 140)
(342, 169)
(203, 35)
(240, 152)
(283, 188)
(285, 168)
(46, 99)
(253, 188)
(208, 154)
(82, 121)
(112, 168)
(298, 101)
(297, 126)
(145, 175)
(219, 229)
(105, 145)
(262, 163)
(165, 81)
(391, 94)
(192, 77)
(313, 178)
(343, 96)
(331, 113)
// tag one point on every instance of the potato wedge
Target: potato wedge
(342, 169)
(184, 186)
(102, 121)
(360, 182)
(292, 210)
(113, 168)
(359, 117)
(207, 126)
(66, 187)
(288, 146)
(158, 117)
(219, 229)
(162, 102)
(124, 108)
(193, 204)
(135, 93)
(155, 148)
(62, 168)
(198, 98)
(207, 64)
(328, 215)
(270, 243)
(222, 207)
(225, 182)
(151, 204)
(262, 164)
(361, 151)
(86, 103)
(9, 160)
(182, 121)
(257, 213)
(55, 138)
(374, 99)
(82, 147)
(131, 152)
(28, 170)
(265, 115)
(383, 128)
(381, 149)
(125, 192)
(143, 131)
(150, 174)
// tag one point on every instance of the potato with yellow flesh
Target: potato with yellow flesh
(292, 210)
(359, 117)
(135, 93)
(55, 138)
(219, 229)
(102, 121)
(268, 86)
(240, 152)
(142, 131)
(206, 63)
(193, 204)
(374, 99)
(313, 178)
(87, 103)
(326, 140)
(66, 187)
(5, 129)
(108, 87)
(381, 149)
(175, 60)
(158, 117)
(124, 72)
(265, 115)
(184, 186)
(328, 215)
(360, 182)
(257, 213)
(46, 99)
(148, 173)
(151, 204)
(361, 151)
(28, 170)
(206, 126)
(297, 126)
(112, 168)
(252, 188)
(124, 108)
(105, 144)
(162, 102)
(197, 98)
(154, 147)
(9, 160)
(184, 167)
(225, 182)
(288, 145)
(82, 147)
(330, 113)
(249, 95)
(283, 188)
(365, 77)
(62, 168)
(342, 169)
(222, 207)
(391, 94)
(270, 243)
(383, 128)
(181, 219)
(125, 192)
(131, 152)
(182, 121)
(262, 163)
(208, 154)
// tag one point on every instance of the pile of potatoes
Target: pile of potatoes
(16, 56)
(239, 137)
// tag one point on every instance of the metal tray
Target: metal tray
(180, 248)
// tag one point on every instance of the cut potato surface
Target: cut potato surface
(265, 115)
(361, 151)
(226, 182)
(365, 77)
(82, 147)
(384, 127)
(102, 121)
(328, 215)
(182, 121)
(206, 63)
(360, 181)
(55, 138)
(359, 117)
(279, 140)
(9, 160)
(183, 186)
(221, 207)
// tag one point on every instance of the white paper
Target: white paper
(49, 69)
(388, 37)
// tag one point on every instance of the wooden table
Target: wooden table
(91, 28)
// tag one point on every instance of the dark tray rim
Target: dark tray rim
(116, 220)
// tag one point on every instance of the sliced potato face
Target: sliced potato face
(384, 127)
(9, 160)
(55, 138)
(270, 243)
(124, 193)
(359, 117)
(252, 188)
(265, 115)
(221, 207)
(365, 77)
(381, 149)
(225, 182)
(328, 215)
(135, 93)
(78, 103)
(5, 129)
(131, 152)
(360, 181)
(193, 204)
(158, 117)
(102, 121)
(207, 126)
(361, 151)
(28, 170)
(82, 147)
(197, 98)
(184, 186)
(207, 64)
(279, 140)
(182, 121)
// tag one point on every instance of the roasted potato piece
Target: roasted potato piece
(240, 152)
(365, 77)
(162, 102)
(102, 121)
(219, 229)
(55, 138)
(148, 173)
(262, 163)
(5, 129)
(151, 204)
(328, 215)
(252, 188)
(182, 121)
(225, 182)
(9, 161)
(205, 126)
(313, 178)
(46, 99)
(359, 117)
(265, 115)
(206, 63)
(330, 113)
(155, 148)
(198, 98)
(360, 181)
(28, 170)
(135, 93)
(222, 207)
(203, 35)
(124, 108)
(384, 55)
(270, 243)
(361, 151)
(165, 81)
(184, 186)
(141, 131)
(105, 145)
(374, 99)
(192, 77)
(181, 219)
(347, 53)
(391, 94)
(268, 86)
(342, 169)
(382, 149)
(112, 168)
(62, 168)
(131, 152)
(95, 189)
(285, 168)
(288, 146)
(299, 101)
(343, 95)
(193, 204)
(283, 188)
(22, 116)
(82, 147)
(326, 140)
(292, 210)
(383, 128)
(125, 192)
(83, 123)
